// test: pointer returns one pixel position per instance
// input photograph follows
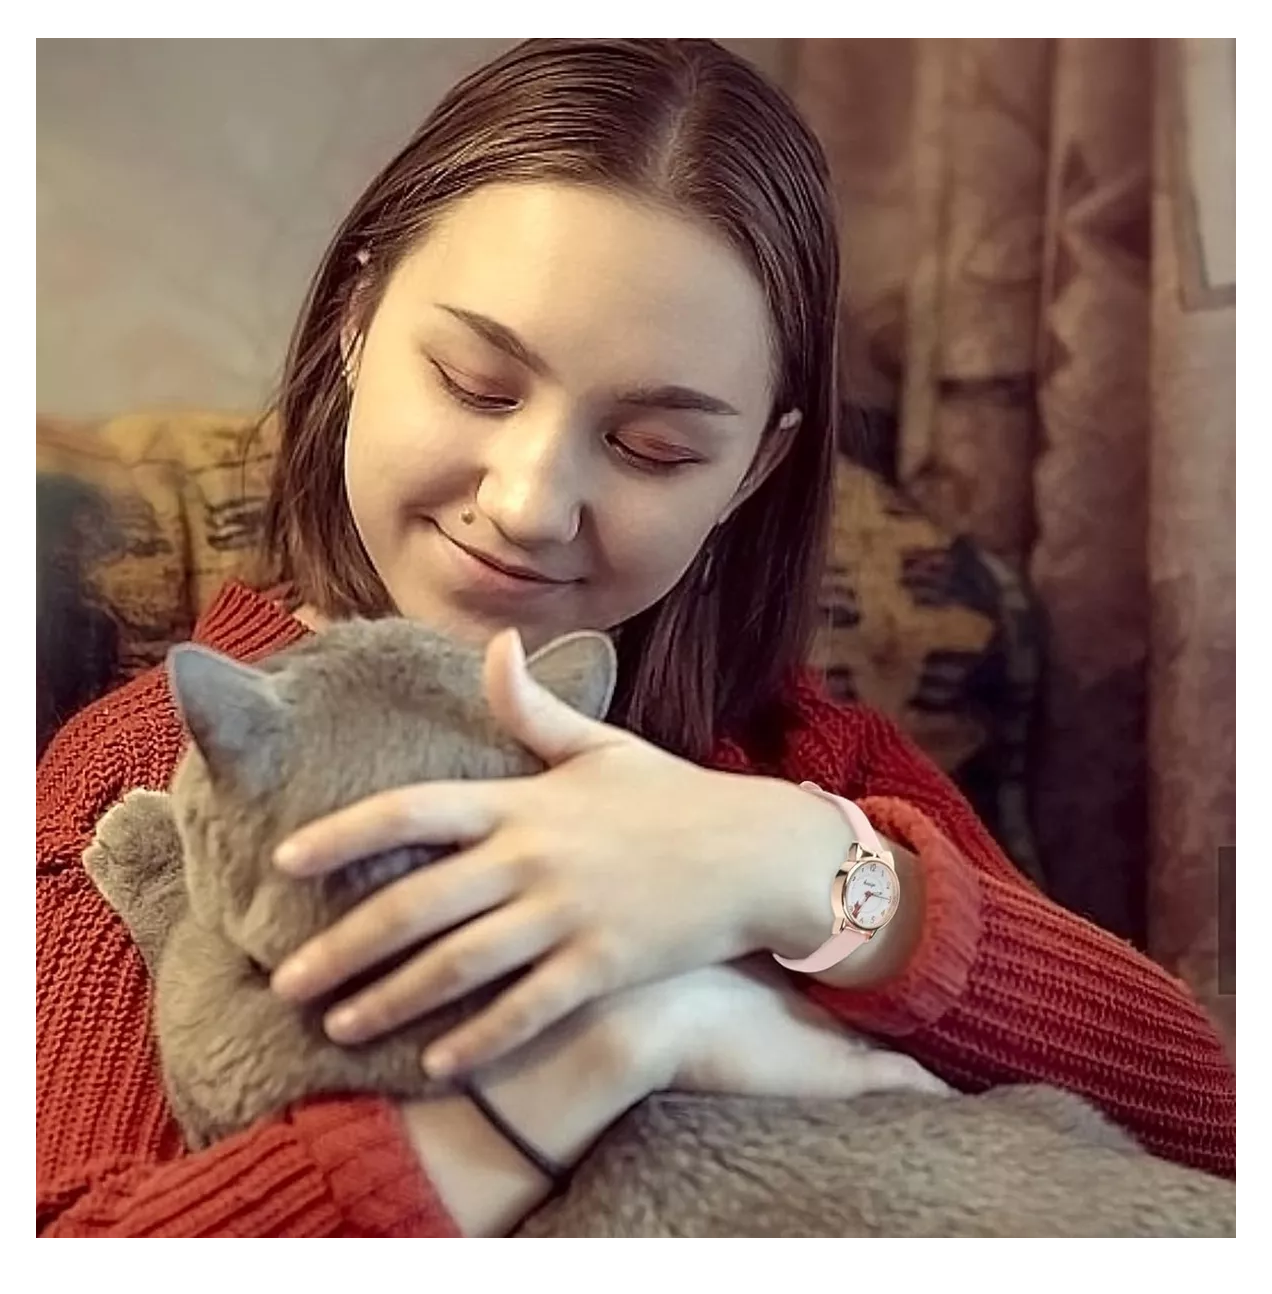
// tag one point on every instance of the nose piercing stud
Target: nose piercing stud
(467, 516)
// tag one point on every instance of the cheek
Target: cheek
(402, 446)
(647, 544)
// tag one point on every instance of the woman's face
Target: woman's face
(560, 394)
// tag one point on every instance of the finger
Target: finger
(885, 1071)
(420, 905)
(453, 967)
(526, 710)
(428, 813)
(536, 1002)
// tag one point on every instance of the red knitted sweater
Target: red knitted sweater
(1004, 987)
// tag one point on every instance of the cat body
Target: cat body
(371, 705)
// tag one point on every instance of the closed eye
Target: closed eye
(648, 462)
(478, 401)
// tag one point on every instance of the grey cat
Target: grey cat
(371, 705)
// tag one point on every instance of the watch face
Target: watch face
(870, 894)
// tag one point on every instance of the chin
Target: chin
(459, 625)
(456, 625)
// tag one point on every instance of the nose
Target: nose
(532, 489)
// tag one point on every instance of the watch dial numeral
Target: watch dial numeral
(869, 895)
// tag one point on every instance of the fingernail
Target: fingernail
(342, 1024)
(289, 857)
(290, 977)
(438, 1063)
(518, 648)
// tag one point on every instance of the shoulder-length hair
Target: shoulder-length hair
(690, 126)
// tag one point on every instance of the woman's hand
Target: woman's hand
(737, 1030)
(744, 1030)
(560, 1092)
(618, 865)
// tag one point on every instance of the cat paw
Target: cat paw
(135, 846)
(140, 827)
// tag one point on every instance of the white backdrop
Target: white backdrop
(186, 190)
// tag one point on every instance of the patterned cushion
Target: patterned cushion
(941, 636)
(139, 521)
(142, 518)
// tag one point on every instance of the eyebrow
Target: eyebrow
(646, 397)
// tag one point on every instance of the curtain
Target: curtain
(1040, 308)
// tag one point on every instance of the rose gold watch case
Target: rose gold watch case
(858, 857)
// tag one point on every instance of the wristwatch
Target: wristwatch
(864, 894)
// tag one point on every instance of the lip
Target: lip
(485, 572)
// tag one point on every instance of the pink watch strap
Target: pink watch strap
(831, 953)
(857, 820)
(844, 942)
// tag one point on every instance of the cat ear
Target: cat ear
(232, 712)
(579, 668)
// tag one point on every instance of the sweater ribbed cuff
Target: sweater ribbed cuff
(377, 1183)
(936, 975)
(332, 1167)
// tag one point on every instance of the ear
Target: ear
(580, 669)
(351, 330)
(774, 446)
(232, 712)
(350, 353)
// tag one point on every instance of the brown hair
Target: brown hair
(694, 128)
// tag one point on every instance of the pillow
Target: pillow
(138, 522)
(940, 635)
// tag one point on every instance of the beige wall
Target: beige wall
(186, 190)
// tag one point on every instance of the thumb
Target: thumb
(527, 711)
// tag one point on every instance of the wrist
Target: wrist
(484, 1182)
(794, 913)
(560, 1092)
(565, 1095)
(888, 953)
(800, 920)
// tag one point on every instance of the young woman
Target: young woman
(570, 362)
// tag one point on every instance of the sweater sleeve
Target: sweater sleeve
(1007, 986)
(110, 1159)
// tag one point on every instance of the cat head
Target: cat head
(364, 707)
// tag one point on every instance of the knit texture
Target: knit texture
(1003, 987)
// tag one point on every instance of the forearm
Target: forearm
(1005, 986)
(560, 1093)
(986, 981)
